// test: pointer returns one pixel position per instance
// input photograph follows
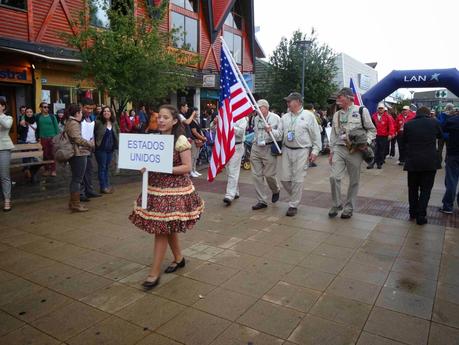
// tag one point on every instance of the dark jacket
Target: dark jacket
(451, 127)
(420, 137)
(99, 131)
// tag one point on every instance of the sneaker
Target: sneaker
(445, 211)
(291, 212)
(334, 211)
(227, 201)
(193, 174)
(371, 166)
(197, 173)
(346, 215)
(275, 197)
(259, 206)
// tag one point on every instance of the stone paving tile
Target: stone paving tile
(237, 335)
(183, 290)
(33, 306)
(250, 283)
(404, 302)
(372, 339)
(343, 310)
(369, 274)
(156, 339)
(234, 259)
(116, 268)
(150, 311)
(373, 259)
(56, 272)
(225, 303)
(400, 327)
(212, 273)
(5, 276)
(442, 335)
(253, 247)
(344, 241)
(411, 283)
(292, 296)
(22, 263)
(332, 251)
(193, 327)
(286, 255)
(446, 313)
(314, 330)
(111, 331)
(448, 292)
(28, 335)
(272, 319)
(16, 289)
(323, 263)
(80, 285)
(69, 320)
(354, 289)
(312, 279)
(113, 297)
(20, 239)
(135, 280)
(425, 270)
(8, 323)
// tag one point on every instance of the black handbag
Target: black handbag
(274, 150)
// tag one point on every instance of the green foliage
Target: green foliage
(131, 59)
(285, 70)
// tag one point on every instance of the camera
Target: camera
(195, 108)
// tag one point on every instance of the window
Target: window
(234, 20)
(190, 5)
(21, 4)
(186, 35)
(99, 16)
(234, 43)
(99, 8)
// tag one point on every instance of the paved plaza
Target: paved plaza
(251, 277)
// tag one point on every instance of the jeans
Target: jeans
(381, 150)
(104, 159)
(78, 167)
(86, 185)
(401, 148)
(420, 185)
(391, 147)
(5, 159)
(451, 178)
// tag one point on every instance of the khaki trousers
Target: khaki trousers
(344, 161)
(264, 166)
(293, 173)
(233, 168)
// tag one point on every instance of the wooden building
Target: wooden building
(38, 65)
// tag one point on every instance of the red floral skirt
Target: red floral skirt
(173, 205)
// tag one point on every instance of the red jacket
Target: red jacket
(401, 120)
(385, 126)
(125, 124)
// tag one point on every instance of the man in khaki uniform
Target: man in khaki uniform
(264, 164)
(301, 142)
(345, 120)
(233, 167)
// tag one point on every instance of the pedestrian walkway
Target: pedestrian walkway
(251, 277)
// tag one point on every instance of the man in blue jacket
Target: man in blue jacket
(442, 117)
(451, 127)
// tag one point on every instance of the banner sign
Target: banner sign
(151, 151)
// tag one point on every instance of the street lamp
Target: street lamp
(304, 44)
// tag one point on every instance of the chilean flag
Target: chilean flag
(357, 97)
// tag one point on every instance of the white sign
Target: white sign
(364, 81)
(151, 151)
(208, 80)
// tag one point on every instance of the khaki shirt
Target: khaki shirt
(261, 136)
(345, 121)
(306, 131)
(239, 129)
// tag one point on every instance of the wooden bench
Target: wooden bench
(21, 151)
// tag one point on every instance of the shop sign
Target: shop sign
(15, 74)
(208, 80)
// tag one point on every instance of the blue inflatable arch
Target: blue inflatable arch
(448, 78)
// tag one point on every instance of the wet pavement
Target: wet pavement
(251, 277)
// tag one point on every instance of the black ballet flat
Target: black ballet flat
(175, 266)
(148, 285)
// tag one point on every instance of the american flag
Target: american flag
(357, 97)
(234, 104)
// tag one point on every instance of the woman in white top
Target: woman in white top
(5, 154)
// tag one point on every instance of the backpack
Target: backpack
(63, 148)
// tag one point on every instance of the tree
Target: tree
(285, 70)
(131, 59)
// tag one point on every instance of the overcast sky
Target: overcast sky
(397, 34)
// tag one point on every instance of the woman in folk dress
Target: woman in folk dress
(173, 206)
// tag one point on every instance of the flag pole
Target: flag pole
(247, 89)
